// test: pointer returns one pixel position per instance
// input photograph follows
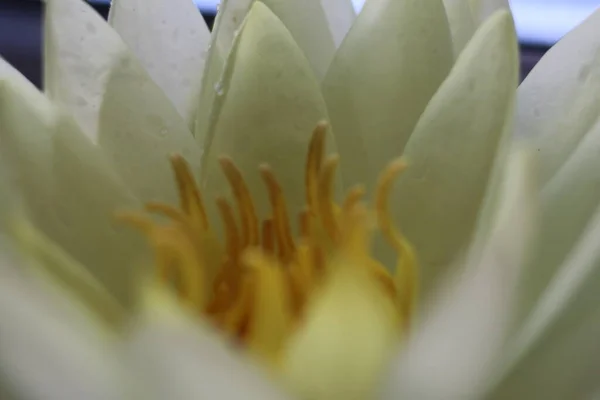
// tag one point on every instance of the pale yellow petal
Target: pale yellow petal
(171, 39)
(454, 351)
(269, 106)
(452, 151)
(344, 342)
(91, 73)
(559, 101)
(394, 58)
(178, 359)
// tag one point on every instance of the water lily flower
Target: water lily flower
(257, 237)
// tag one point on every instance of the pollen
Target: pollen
(254, 284)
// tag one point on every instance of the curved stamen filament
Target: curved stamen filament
(326, 200)
(406, 268)
(283, 231)
(314, 160)
(247, 212)
(232, 237)
(189, 195)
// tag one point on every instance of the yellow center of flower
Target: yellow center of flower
(256, 285)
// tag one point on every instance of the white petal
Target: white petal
(269, 106)
(556, 354)
(170, 38)
(67, 186)
(91, 73)
(453, 352)
(559, 101)
(50, 348)
(569, 201)
(179, 360)
(340, 15)
(394, 58)
(452, 151)
(463, 23)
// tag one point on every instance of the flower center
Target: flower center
(255, 284)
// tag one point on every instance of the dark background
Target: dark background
(21, 38)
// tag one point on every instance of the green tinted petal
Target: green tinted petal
(452, 151)
(559, 101)
(394, 58)
(269, 106)
(170, 38)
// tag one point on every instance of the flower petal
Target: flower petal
(91, 72)
(305, 20)
(453, 148)
(556, 354)
(453, 353)
(51, 349)
(483, 9)
(463, 23)
(139, 130)
(344, 341)
(170, 38)
(375, 105)
(180, 360)
(309, 27)
(559, 101)
(269, 106)
(68, 189)
(569, 201)
(87, 193)
(340, 15)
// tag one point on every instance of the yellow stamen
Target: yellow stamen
(189, 195)
(406, 268)
(314, 159)
(325, 198)
(248, 218)
(281, 222)
(257, 288)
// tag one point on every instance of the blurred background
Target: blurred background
(540, 23)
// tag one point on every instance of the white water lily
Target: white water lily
(121, 99)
